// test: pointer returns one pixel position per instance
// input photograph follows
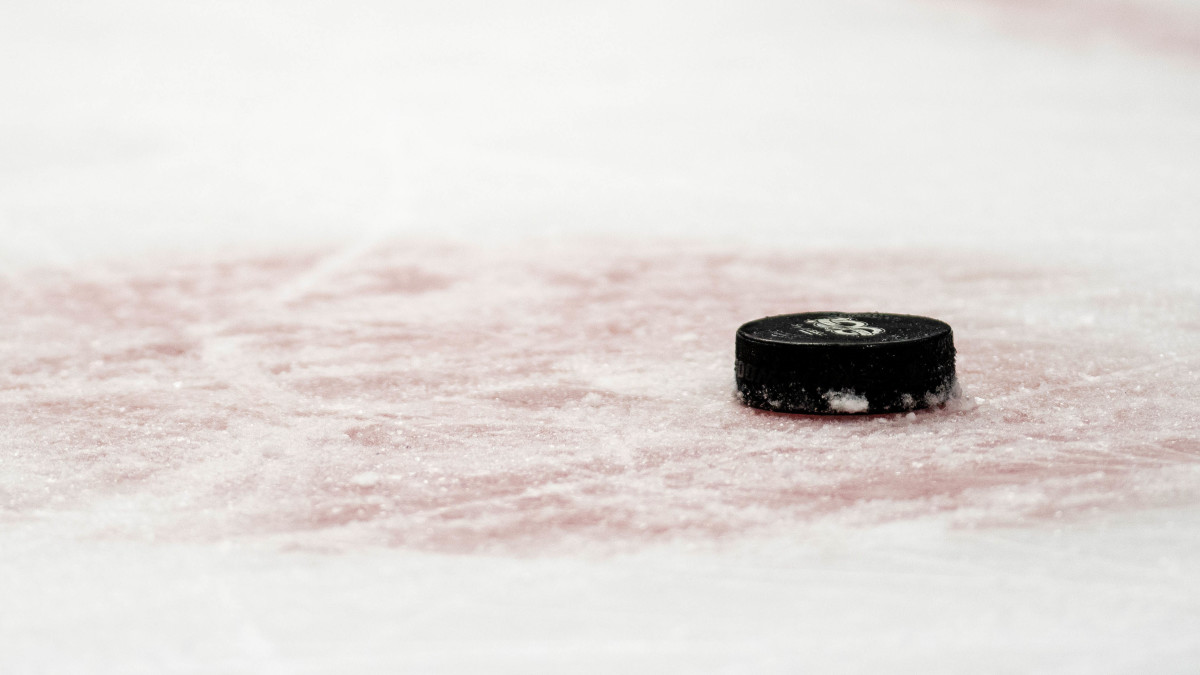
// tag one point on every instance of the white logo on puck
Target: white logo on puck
(841, 325)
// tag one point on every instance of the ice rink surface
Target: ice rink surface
(381, 338)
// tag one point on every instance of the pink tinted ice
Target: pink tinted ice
(575, 396)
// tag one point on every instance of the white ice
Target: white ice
(270, 172)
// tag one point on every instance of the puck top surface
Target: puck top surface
(842, 328)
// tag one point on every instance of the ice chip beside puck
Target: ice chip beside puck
(829, 363)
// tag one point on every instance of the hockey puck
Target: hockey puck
(830, 363)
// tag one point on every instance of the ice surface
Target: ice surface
(398, 338)
(577, 402)
(458, 399)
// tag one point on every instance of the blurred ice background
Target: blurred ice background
(1062, 133)
(130, 125)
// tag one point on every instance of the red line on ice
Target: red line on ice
(1148, 26)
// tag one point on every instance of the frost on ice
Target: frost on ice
(846, 402)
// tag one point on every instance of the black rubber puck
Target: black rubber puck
(829, 363)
